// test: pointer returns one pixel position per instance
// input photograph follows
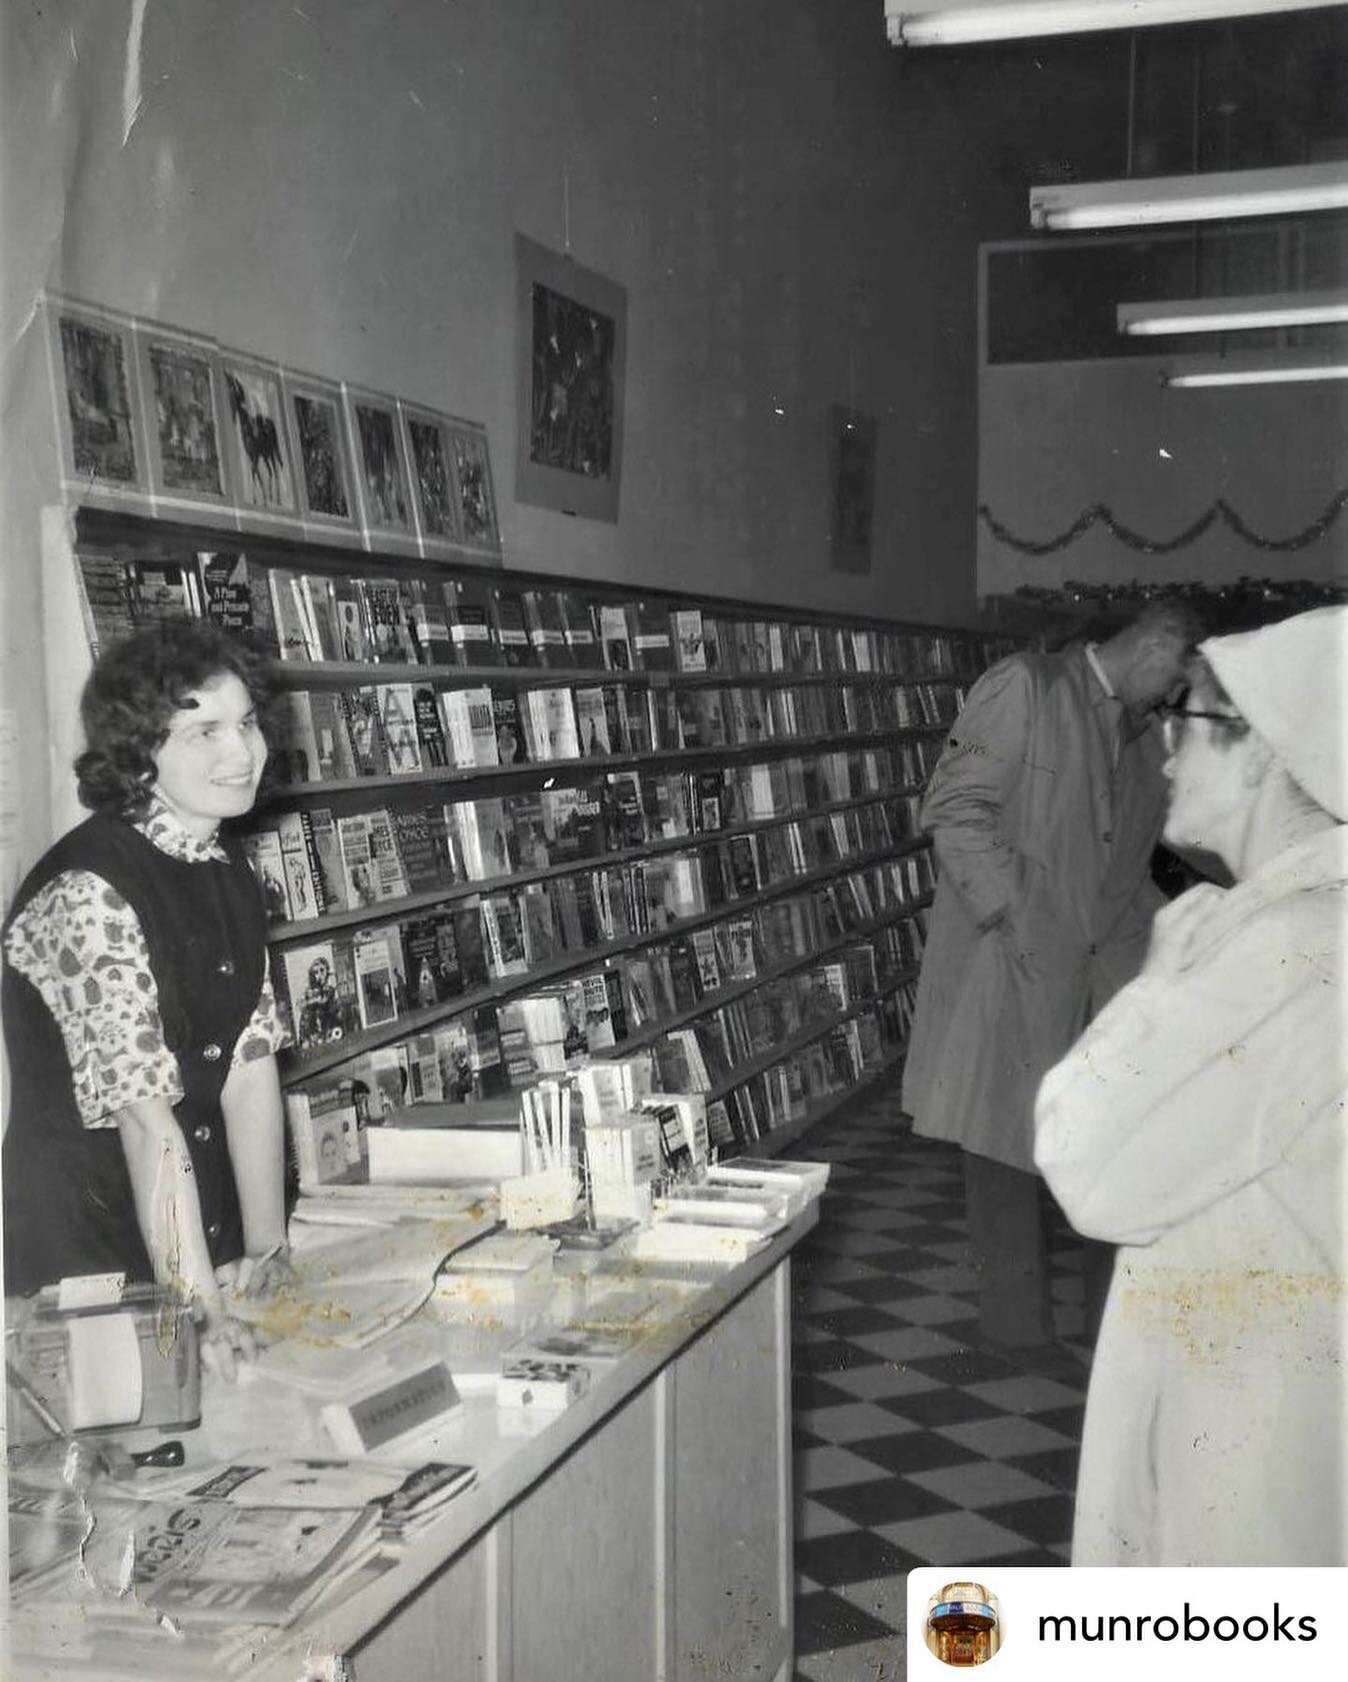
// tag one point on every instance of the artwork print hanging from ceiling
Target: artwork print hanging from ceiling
(573, 353)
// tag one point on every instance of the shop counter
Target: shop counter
(643, 1532)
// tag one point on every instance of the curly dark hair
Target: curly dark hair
(131, 696)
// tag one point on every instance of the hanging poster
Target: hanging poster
(573, 354)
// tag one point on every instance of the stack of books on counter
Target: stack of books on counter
(728, 1211)
(800, 1182)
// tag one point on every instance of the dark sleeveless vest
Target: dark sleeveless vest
(68, 1204)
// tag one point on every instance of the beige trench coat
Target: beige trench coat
(1043, 812)
(1201, 1124)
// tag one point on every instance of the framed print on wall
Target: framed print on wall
(262, 462)
(430, 462)
(380, 468)
(95, 396)
(327, 497)
(851, 488)
(474, 495)
(184, 418)
(572, 327)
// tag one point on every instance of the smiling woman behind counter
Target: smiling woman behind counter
(146, 1128)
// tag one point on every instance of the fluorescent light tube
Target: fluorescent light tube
(1192, 376)
(949, 23)
(1144, 200)
(1232, 315)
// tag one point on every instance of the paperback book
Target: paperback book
(397, 721)
(380, 984)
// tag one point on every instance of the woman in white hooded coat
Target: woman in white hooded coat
(1200, 1124)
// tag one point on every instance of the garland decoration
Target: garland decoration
(1238, 604)
(1221, 510)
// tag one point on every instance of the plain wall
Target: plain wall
(1055, 439)
(338, 186)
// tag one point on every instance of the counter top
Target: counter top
(664, 1308)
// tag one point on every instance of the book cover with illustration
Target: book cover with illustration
(397, 720)
(380, 980)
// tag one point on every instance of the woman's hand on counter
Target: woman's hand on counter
(225, 1341)
(263, 1275)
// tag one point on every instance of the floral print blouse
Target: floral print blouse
(82, 947)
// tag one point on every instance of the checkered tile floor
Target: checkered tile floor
(914, 1445)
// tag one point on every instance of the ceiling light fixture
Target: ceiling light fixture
(950, 23)
(1143, 200)
(1271, 370)
(1232, 315)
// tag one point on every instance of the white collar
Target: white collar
(1093, 661)
(160, 825)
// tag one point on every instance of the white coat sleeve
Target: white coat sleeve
(1191, 1084)
(963, 809)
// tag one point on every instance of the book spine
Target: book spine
(315, 867)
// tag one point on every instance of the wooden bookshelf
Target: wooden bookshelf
(832, 721)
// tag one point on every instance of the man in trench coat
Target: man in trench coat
(1043, 811)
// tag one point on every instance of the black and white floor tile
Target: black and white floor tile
(915, 1444)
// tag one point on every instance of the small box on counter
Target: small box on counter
(546, 1385)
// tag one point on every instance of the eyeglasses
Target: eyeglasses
(1172, 722)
